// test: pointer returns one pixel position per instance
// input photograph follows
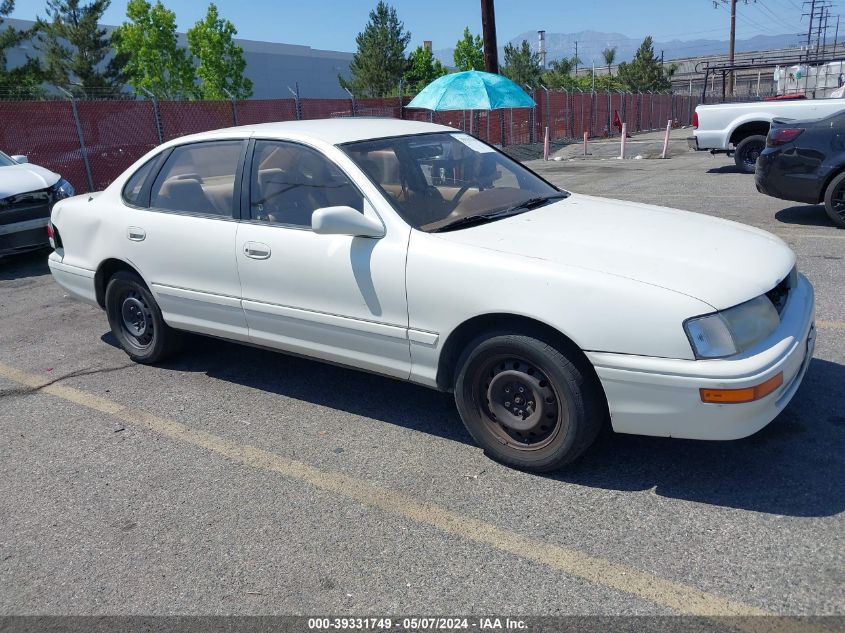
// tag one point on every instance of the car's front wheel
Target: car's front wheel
(136, 321)
(834, 200)
(526, 403)
(747, 152)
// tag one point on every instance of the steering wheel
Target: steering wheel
(456, 200)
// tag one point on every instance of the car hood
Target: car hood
(16, 179)
(720, 262)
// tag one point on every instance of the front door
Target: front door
(335, 297)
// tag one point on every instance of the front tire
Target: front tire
(136, 321)
(526, 403)
(747, 152)
(834, 200)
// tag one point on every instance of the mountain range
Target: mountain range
(591, 44)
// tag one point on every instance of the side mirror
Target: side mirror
(19, 158)
(344, 221)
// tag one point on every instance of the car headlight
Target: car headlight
(63, 189)
(734, 330)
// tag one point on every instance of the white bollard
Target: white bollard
(666, 138)
(546, 144)
(585, 144)
(624, 136)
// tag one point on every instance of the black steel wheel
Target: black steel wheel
(747, 152)
(136, 321)
(834, 200)
(526, 403)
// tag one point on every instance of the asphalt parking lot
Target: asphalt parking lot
(238, 481)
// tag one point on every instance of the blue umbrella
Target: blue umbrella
(471, 90)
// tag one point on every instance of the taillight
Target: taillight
(53, 236)
(695, 120)
(783, 135)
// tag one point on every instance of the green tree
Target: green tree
(522, 66)
(559, 75)
(220, 62)
(422, 69)
(469, 52)
(24, 81)
(154, 62)
(644, 72)
(76, 48)
(379, 62)
(609, 55)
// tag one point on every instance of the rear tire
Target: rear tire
(136, 321)
(834, 200)
(526, 403)
(747, 152)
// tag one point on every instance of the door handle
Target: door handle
(136, 234)
(257, 250)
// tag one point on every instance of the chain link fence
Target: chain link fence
(90, 142)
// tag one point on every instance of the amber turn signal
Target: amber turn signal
(748, 394)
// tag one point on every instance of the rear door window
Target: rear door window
(199, 178)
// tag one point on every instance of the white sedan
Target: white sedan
(418, 252)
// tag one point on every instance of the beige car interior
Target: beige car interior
(198, 179)
(292, 181)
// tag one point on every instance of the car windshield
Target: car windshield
(5, 161)
(449, 180)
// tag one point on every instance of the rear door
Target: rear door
(180, 234)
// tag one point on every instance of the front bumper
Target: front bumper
(660, 396)
(18, 237)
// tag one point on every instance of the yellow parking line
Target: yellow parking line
(679, 597)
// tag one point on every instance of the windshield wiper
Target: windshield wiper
(516, 209)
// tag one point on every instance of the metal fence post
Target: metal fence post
(234, 107)
(401, 104)
(354, 105)
(81, 136)
(510, 134)
(156, 115)
(548, 111)
(651, 110)
(297, 105)
(623, 106)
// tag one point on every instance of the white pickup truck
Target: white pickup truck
(741, 128)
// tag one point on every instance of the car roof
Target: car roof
(333, 131)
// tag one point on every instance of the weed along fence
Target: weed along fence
(91, 142)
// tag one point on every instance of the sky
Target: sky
(333, 24)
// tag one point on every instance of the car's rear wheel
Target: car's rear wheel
(136, 321)
(747, 152)
(528, 404)
(834, 200)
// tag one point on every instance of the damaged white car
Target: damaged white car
(27, 195)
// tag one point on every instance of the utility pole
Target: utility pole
(576, 58)
(488, 27)
(731, 44)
